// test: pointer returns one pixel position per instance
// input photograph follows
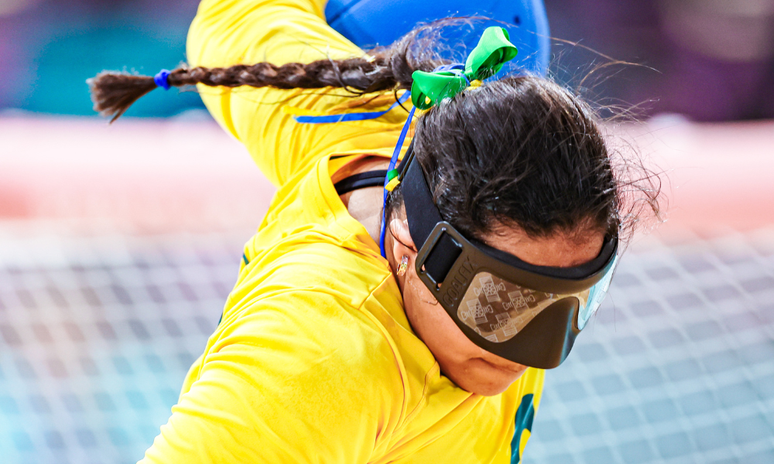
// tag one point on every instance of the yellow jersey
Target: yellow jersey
(314, 359)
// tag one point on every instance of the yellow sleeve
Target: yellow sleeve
(296, 372)
(229, 32)
(252, 403)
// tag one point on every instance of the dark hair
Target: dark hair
(520, 151)
(385, 68)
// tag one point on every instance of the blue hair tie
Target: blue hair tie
(162, 79)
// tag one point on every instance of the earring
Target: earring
(403, 266)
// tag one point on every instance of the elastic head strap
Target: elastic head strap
(421, 212)
(423, 216)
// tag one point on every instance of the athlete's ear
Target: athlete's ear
(402, 244)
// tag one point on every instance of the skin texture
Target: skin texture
(469, 366)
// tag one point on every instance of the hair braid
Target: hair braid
(358, 74)
(113, 93)
(387, 68)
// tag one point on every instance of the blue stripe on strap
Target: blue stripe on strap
(333, 118)
(393, 162)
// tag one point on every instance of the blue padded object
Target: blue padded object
(368, 23)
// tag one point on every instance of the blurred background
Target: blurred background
(713, 59)
(119, 244)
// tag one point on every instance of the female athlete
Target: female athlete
(410, 281)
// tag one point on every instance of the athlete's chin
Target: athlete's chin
(483, 378)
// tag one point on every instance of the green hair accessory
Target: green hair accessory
(392, 180)
(494, 49)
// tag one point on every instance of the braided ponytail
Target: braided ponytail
(388, 68)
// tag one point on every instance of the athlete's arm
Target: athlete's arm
(255, 402)
(229, 32)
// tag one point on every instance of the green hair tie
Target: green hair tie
(494, 49)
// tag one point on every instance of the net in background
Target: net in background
(96, 334)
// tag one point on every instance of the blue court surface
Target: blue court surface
(98, 330)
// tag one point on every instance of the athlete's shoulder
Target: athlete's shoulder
(309, 294)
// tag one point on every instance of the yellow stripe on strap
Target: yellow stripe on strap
(392, 184)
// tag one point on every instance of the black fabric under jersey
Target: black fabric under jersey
(361, 180)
